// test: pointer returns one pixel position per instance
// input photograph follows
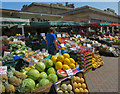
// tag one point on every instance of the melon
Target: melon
(48, 63)
(51, 71)
(40, 66)
(29, 85)
(43, 82)
(33, 74)
(53, 78)
(43, 75)
(61, 73)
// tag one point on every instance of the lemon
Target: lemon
(54, 59)
(67, 61)
(66, 55)
(65, 67)
(60, 58)
(58, 65)
(72, 66)
(72, 60)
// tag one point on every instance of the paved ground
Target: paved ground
(105, 78)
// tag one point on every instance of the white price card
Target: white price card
(6, 53)
(3, 69)
(59, 35)
(69, 72)
(88, 45)
(63, 35)
(42, 34)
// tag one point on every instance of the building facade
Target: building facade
(38, 12)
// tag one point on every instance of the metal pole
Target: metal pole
(22, 30)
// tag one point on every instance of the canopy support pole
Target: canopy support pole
(22, 30)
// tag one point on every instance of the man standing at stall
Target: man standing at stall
(51, 41)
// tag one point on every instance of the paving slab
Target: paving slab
(105, 78)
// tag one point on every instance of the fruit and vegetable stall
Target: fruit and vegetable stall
(24, 70)
(34, 71)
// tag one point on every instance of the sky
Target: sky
(98, 5)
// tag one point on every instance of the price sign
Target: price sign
(42, 34)
(3, 69)
(6, 53)
(69, 72)
(59, 35)
(63, 35)
(88, 45)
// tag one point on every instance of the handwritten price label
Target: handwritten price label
(3, 69)
(69, 72)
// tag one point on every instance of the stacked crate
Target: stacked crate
(84, 60)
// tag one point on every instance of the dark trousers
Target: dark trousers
(52, 49)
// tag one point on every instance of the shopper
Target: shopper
(51, 41)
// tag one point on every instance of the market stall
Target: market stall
(36, 71)
(10, 22)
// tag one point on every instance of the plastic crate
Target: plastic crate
(11, 63)
(18, 57)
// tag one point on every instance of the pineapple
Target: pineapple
(2, 88)
(10, 88)
(23, 76)
(4, 77)
(17, 74)
(14, 81)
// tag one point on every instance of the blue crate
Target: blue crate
(18, 57)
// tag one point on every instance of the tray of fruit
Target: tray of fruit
(79, 83)
(65, 86)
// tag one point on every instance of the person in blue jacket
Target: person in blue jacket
(51, 41)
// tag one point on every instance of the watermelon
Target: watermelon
(28, 85)
(43, 82)
(51, 71)
(33, 74)
(48, 63)
(61, 73)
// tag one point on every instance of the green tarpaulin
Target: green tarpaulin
(57, 23)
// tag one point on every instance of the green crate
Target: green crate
(11, 63)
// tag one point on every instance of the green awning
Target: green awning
(57, 23)
(9, 22)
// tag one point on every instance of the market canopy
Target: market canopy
(101, 24)
(9, 22)
(57, 23)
